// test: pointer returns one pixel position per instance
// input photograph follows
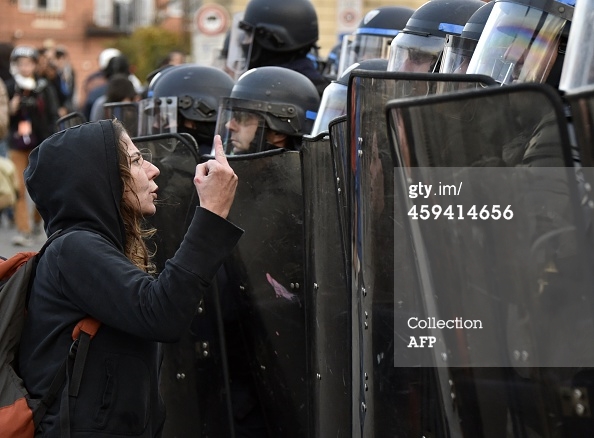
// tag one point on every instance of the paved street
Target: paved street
(6, 248)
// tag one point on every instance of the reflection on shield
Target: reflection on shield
(328, 299)
(383, 277)
(125, 112)
(270, 303)
(338, 141)
(504, 268)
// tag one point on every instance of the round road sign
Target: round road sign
(211, 19)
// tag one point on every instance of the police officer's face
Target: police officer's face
(418, 62)
(242, 127)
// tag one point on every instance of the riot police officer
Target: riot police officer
(334, 99)
(185, 98)
(419, 46)
(373, 35)
(269, 107)
(458, 50)
(516, 46)
(277, 33)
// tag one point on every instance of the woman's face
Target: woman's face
(143, 184)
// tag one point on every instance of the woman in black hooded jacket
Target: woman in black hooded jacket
(91, 182)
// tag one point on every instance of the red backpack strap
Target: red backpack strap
(9, 266)
(87, 325)
(82, 334)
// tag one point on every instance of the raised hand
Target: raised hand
(216, 182)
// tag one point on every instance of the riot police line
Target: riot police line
(306, 334)
(332, 267)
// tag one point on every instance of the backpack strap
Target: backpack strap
(9, 266)
(83, 332)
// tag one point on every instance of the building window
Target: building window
(179, 8)
(175, 8)
(123, 15)
(55, 6)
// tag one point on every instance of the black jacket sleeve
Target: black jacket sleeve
(104, 284)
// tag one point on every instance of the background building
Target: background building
(86, 27)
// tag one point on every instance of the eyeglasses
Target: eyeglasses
(141, 156)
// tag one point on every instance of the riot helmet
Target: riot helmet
(185, 98)
(419, 46)
(373, 36)
(578, 65)
(152, 78)
(267, 103)
(523, 41)
(334, 99)
(272, 32)
(458, 50)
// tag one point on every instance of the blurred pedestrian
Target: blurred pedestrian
(33, 112)
(119, 89)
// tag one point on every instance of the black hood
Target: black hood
(73, 178)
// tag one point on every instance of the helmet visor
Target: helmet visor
(457, 53)
(578, 65)
(518, 44)
(332, 105)
(366, 46)
(414, 53)
(241, 40)
(157, 115)
(242, 129)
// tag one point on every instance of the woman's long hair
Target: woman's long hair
(135, 247)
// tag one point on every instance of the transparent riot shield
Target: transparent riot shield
(581, 103)
(125, 112)
(328, 310)
(69, 120)
(192, 378)
(157, 115)
(383, 278)
(487, 184)
(269, 299)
